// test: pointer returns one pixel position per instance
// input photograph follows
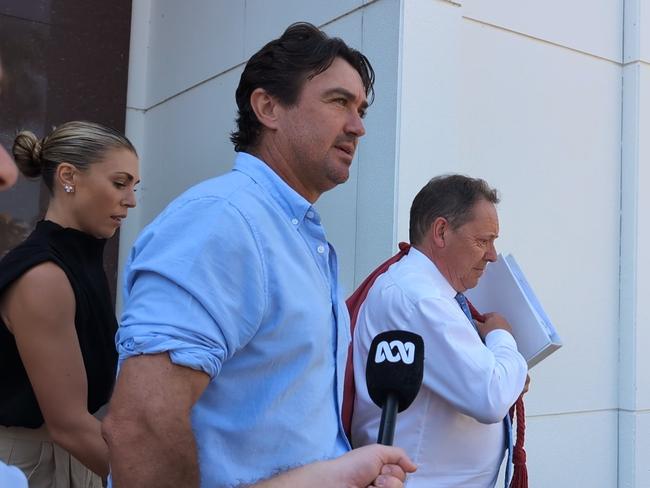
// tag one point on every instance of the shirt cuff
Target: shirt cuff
(500, 337)
(181, 353)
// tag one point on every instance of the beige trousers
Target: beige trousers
(45, 464)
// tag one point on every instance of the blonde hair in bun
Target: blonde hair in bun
(27, 153)
(79, 143)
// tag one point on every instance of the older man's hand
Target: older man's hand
(493, 321)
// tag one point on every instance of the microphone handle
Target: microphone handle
(388, 420)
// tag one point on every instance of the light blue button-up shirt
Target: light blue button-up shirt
(236, 278)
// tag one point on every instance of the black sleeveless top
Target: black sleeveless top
(79, 255)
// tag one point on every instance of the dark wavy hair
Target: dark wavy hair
(450, 196)
(281, 68)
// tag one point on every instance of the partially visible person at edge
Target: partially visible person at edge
(8, 170)
(57, 324)
(234, 336)
(455, 428)
(10, 476)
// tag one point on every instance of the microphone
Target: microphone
(394, 375)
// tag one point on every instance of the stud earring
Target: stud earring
(68, 188)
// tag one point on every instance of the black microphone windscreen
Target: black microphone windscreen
(396, 365)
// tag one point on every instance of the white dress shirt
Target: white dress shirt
(454, 429)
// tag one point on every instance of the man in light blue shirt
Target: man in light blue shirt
(234, 335)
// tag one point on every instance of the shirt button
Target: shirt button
(310, 214)
(320, 249)
(294, 221)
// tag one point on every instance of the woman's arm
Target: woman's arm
(39, 309)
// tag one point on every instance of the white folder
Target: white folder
(503, 288)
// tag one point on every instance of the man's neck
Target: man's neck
(270, 154)
(438, 262)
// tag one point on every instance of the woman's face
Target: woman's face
(104, 192)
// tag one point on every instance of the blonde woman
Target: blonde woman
(57, 324)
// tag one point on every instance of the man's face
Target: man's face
(318, 135)
(470, 247)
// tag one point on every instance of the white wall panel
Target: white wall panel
(542, 124)
(139, 54)
(267, 19)
(644, 26)
(430, 93)
(191, 41)
(635, 227)
(135, 131)
(643, 246)
(187, 141)
(634, 439)
(637, 31)
(376, 185)
(569, 451)
(592, 26)
(194, 40)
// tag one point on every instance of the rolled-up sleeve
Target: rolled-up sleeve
(194, 286)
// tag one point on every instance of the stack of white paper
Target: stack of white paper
(503, 289)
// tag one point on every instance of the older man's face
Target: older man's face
(470, 248)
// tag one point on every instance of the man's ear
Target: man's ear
(266, 108)
(437, 231)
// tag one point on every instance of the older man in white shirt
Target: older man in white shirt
(454, 430)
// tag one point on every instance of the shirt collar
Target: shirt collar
(292, 203)
(419, 260)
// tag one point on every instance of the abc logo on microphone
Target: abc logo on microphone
(395, 351)
(395, 366)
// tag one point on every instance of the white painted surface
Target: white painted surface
(629, 239)
(190, 42)
(139, 54)
(634, 372)
(429, 131)
(643, 243)
(187, 141)
(634, 433)
(637, 31)
(572, 450)
(644, 25)
(590, 26)
(267, 19)
(542, 124)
